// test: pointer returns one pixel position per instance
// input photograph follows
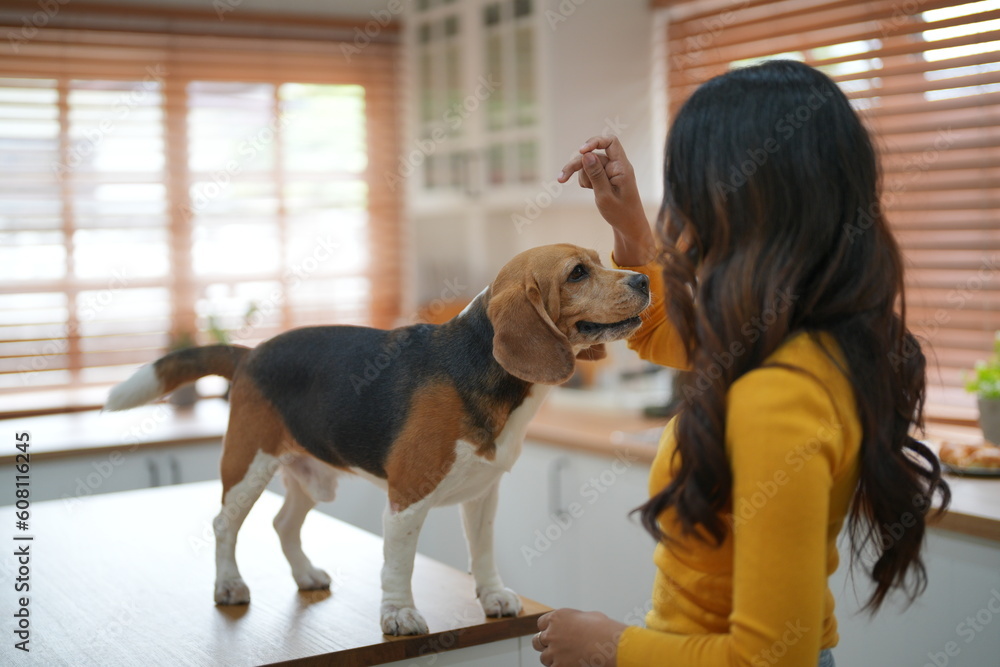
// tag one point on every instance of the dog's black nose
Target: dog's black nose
(640, 283)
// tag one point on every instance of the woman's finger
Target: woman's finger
(576, 165)
(571, 167)
(610, 145)
(596, 173)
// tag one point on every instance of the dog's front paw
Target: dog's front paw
(402, 621)
(500, 602)
(312, 579)
(231, 591)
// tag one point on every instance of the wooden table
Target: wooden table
(127, 579)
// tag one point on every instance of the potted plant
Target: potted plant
(985, 383)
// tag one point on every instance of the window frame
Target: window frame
(326, 52)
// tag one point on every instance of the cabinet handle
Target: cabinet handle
(154, 472)
(175, 471)
(556, 508)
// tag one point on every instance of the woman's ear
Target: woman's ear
(526, 342)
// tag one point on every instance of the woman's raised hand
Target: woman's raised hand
(611, 177)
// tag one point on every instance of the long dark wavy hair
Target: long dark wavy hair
(772, 185)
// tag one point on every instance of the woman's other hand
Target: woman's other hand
(611, 177)
(571, 638)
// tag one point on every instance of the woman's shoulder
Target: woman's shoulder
(808, 368)
(800, 394)
(810, 353)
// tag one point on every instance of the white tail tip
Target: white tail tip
(141, 388)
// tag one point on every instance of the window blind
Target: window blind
(158, 188)
(925, 76)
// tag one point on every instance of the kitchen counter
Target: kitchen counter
(127, 579)
(975, 508)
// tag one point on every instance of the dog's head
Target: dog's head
(554, 304)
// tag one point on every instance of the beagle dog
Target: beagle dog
(434, 414)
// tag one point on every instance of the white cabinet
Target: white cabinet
(78, 476)
(564, 534)
(537, 548)
(955, 623)
(503, 653)
(474, 121)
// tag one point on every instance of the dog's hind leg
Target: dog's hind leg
(236, 504)
(249, 460)
(301, 478)
(477, 517)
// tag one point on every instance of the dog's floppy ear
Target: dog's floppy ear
(592, 353)
(526, 342)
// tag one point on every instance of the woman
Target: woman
(779, 281)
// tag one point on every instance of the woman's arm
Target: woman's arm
(657, 340)
(611, 177)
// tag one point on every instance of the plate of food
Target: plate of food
(981, 460)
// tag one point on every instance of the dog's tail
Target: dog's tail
(170, 372)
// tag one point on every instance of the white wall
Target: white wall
(599, 74)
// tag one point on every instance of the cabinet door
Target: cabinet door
(509, 64)
(502, 653)
(564, 536)
(956, 622)
(474, 120)
(616, 557)
(438, 38)
(187, 463)
(75, 477)
(537, 541)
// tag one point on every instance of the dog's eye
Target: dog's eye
(578, 273)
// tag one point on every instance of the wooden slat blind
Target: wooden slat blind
(925, 75)
(154, 184)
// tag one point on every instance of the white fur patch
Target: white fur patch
(141, 388)
(472, 474)
(512, 436)
(476, 298)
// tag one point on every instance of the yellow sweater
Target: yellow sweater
(761, 598)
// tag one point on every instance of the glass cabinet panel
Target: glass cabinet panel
(494, 65)
(440, 90)
(475, 134)
(524, 56)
